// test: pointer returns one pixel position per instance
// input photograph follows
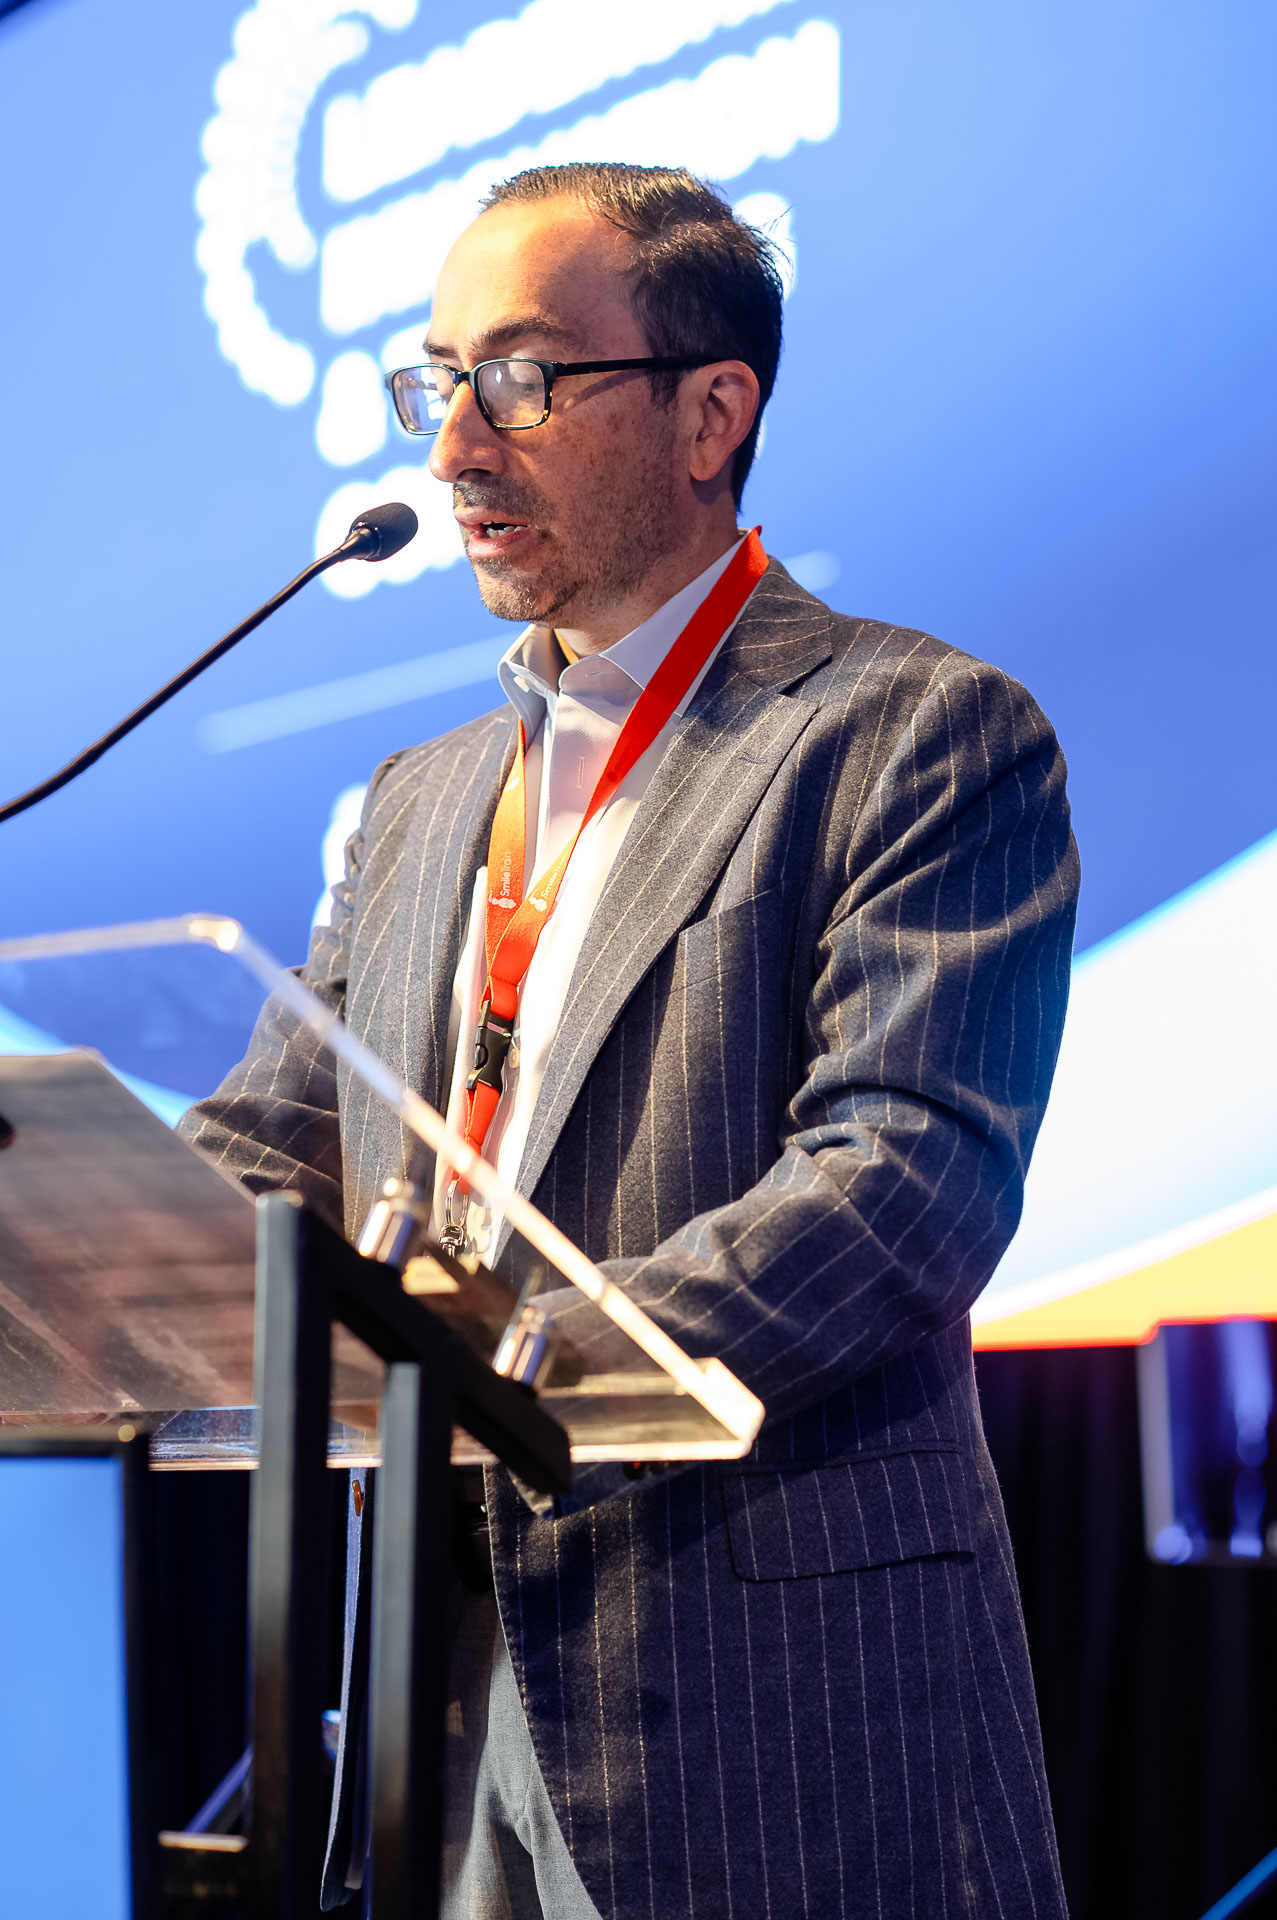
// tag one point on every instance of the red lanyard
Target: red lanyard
(514, 923)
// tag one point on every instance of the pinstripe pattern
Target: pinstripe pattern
(802, 1062)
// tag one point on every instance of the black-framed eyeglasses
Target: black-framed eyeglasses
(512, 394)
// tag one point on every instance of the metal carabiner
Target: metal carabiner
(452, 1235)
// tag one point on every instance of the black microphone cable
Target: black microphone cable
(375, 535)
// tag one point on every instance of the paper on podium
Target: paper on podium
(127, 1259)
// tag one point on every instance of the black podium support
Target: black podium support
(309, 1279)
(288, 1573)
(410, 1631)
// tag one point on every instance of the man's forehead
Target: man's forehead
(549, 266)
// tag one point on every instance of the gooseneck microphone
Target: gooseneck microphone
(378, 534)
(375, 535)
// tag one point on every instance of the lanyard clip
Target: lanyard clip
(491, 1045)
(452, 1235)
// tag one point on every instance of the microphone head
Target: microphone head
(381, 531)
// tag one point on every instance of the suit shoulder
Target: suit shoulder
(882, 647)
(472, 736)
(905, 669)
(874, 659)
(402, 775)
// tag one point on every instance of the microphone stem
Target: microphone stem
(86, 759)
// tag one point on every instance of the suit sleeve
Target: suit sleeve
(273, 1122)
(930, 1029)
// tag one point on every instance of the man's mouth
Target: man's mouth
(488, 539)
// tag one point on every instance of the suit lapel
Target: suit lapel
(708, 784)
(449, 842)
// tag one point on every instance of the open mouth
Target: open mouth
(486, 539)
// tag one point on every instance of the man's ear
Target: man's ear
(723, 403)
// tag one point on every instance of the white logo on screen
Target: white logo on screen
(374, 265)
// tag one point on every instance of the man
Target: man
(776, 1060)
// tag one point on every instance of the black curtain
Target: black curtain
(1157, 1685)
(199, 1666)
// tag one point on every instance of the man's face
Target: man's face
(593, 498)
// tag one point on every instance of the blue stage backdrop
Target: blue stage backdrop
(1027, 402)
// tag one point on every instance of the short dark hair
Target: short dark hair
(705, 283)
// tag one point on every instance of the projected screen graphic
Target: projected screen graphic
(64, 1787)
(1027, 403)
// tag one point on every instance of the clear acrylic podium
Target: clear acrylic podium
(126, 1262)
(141, 1289)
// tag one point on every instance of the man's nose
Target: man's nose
(465, 443)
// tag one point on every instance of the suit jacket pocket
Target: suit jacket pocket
(729, 946)
(872, 1511)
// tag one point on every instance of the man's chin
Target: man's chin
(514, 593)
(505, 595)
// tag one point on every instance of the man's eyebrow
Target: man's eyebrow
(493, 340)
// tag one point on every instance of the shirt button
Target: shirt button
(512, 1058)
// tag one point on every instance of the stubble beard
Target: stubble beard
(621, 525)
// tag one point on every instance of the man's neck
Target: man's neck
(666, 579)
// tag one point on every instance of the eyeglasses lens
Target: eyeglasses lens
(421, 397)
(512, 392)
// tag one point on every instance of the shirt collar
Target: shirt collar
(528, 671)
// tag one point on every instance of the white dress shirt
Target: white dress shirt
(571, 720)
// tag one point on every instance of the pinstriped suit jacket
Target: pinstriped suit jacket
(802, 1062)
